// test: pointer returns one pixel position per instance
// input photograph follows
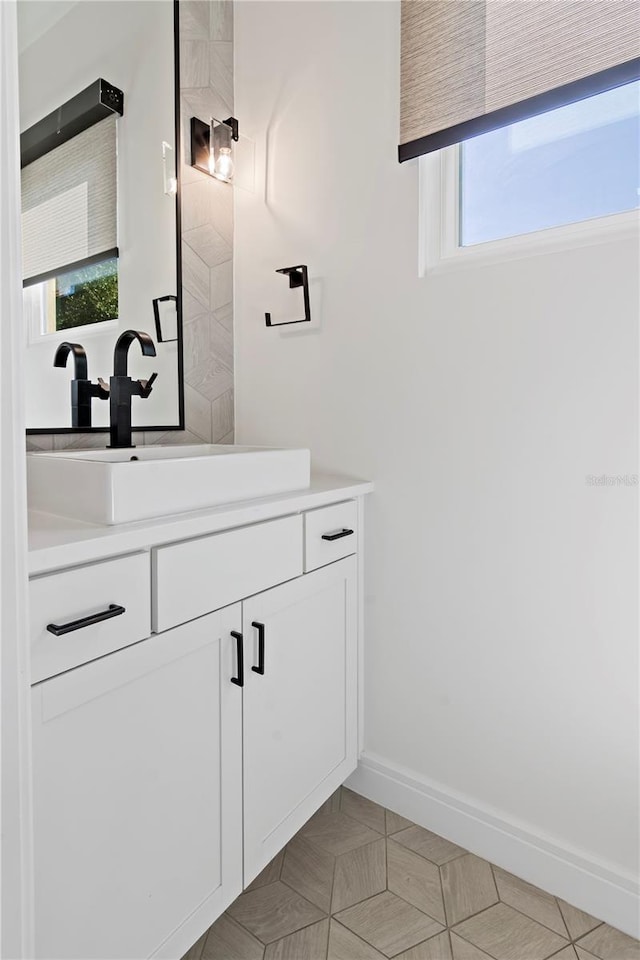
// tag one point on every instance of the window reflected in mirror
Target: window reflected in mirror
(77, 298)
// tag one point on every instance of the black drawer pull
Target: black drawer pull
(337, 536)
(239, 680)
(260, 628)
(58, 629)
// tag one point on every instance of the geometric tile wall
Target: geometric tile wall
(206, 90)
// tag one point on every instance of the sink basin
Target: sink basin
(118, 486)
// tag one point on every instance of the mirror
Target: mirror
(101, 246)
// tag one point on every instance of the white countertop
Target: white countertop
(56, 542)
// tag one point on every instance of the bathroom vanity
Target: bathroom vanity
(194, 701)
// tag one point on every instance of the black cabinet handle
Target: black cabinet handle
(337, 536)
(239, 680)
(58, 629)
(260, 628)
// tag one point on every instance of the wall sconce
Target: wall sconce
(212, 147)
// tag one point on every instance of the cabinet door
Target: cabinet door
(299, 720)
(136, 765)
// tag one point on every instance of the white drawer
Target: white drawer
(119, 588)
(197, 576)
(330, 534)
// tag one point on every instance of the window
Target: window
(86, 295)
(82, 297)
(569, 175)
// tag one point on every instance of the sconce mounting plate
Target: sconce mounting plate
(200, 135)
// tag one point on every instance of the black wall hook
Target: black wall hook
(298, 277)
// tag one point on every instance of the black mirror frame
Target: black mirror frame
(35, 431)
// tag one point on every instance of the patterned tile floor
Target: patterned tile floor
(361, 883)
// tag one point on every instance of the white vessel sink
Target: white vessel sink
(118, 486)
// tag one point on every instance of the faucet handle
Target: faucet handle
(100, 389)
(146, 386)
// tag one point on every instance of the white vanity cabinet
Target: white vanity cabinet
(296, 658)
(137, 781)
(168, 770)
(81, 614)
(299, 718)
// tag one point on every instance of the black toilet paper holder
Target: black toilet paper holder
(298, 277)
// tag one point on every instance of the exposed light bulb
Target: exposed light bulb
(223, 165)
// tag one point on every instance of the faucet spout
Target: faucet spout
(81, 366)
(121, 351)
(122, 388)
(82, 390)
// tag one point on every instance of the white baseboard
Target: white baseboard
(575, 877)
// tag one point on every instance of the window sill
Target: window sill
(87, 332)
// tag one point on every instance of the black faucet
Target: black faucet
(82, 390)
(122, 388)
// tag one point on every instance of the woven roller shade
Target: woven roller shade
(469, 66)
(69, 203)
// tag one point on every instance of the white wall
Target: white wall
(501, 618)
